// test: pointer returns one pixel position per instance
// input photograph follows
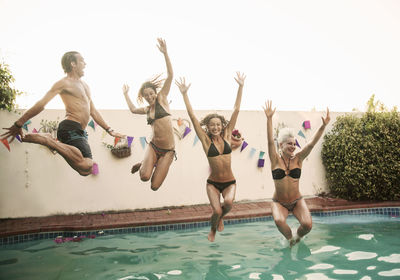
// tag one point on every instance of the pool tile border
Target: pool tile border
(16, 239)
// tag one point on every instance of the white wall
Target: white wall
(34, 182)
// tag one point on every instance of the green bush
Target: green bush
(361, 155)
(7, 93)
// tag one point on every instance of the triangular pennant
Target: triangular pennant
(196, 139)
(25, 125)
(91, 124)
(301, 134)
(187, 130)
(297, 144)
(244, 145)
(252, 152)
(104, 134)
(143, 141)
(130, 139)
(5, 142)
(260, 162)
(18, 138)
(116, 140)
(179, 121)
(95, 169)
(261, 155)
(34, 130)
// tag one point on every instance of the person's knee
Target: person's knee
(228, 204)
(145, 177)
(217, 212)
(307, 226)
(279, 222)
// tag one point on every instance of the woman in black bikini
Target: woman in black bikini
(160, 151)
(286, 171)
(215, 140)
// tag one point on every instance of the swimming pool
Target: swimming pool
(339, 247)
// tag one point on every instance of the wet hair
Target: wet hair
(66, 60)
(154, 83)
(285, 133)
(206, 120)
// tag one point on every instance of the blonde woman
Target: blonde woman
(286, 171)
(215, 138)
(161, 150)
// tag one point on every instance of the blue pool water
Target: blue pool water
(342, 247)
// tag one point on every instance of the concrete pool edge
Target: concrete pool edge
(25, 229)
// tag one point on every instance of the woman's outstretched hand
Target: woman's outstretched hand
(125, 89)
(240, 78)
(269, 112)
(326, 120)
(182, 85)
(162, 46)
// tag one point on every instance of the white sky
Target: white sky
(300, 54)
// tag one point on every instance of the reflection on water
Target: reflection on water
(247, 251)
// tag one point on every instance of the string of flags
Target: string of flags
(181, 131)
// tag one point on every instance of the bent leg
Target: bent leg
(302, 214)
(147, 166)
(214, 197)
(229, 196)
(280, 214)
(161, 170)
(71, 154)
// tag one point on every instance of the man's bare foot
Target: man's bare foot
(136, 167)
(41, 139)
(211, 236)
(220, 225)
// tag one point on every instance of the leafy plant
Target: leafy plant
(7, 93)
(361, 155)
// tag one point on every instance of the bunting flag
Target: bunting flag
(179, 121)
(143, 141)
(187, 131)
(306, 124)
(297, 144)
(5, 142)
(301, 134)
(130, 139)
(34, 130)
(260, 159)
(92, 124)
(116, 140)
(95, 169)
(252, 152)
(25, 126)
(196, 139)
(104, 134)
(18, 138)
(244, 145)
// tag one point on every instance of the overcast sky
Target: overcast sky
(300, 54)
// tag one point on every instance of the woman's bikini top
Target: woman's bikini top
(279, 173)
(159, 112)
(213, 152)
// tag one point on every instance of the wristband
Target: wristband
(17, 126)
(109, 130)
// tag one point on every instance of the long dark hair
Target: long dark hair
(154, 83)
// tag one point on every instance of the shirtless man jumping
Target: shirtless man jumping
(73, 145)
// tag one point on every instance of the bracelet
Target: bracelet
(109, 130)
(17, 126)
